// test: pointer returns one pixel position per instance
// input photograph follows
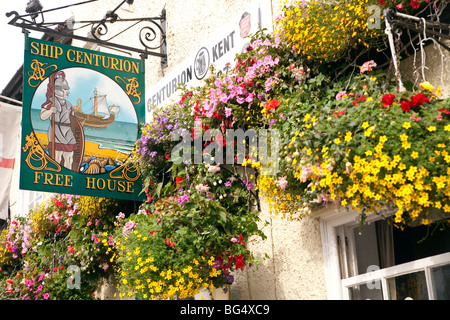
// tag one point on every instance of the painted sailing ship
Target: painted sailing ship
(101, 116)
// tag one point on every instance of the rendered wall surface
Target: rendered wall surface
(295, 267)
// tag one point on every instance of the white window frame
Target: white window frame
(332, 221)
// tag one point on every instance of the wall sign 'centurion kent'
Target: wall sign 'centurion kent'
(219, 51)
(81, 115)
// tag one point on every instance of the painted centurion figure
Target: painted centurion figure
(64, 139)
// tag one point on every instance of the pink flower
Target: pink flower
(268, 84)
(227, 112)
(46, 296)
(121, 215)
(282, 182)
(367, 66)
(341, 94)
(413, 117)
(234, 240)
(39, 289)
(128, 228)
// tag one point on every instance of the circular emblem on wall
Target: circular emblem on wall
(201, 63)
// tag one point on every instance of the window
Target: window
(27, 201)
(384, 262)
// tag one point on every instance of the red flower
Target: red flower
(71, 249)
(339, 113)
(362, 98)
(418, 100)
(415, 4)
(387, 100)
(239, 261)
(170, 243)
(381, 2)
(444, 111)
(405, 105)
(241, 239)
(178, 180)
(272, 105)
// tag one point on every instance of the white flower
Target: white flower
(202, 187)
(213, 169)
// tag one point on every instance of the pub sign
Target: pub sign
(81, 116)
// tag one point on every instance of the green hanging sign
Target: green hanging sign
(81, 116)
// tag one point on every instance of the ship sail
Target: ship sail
(101, 116)
(99, 105)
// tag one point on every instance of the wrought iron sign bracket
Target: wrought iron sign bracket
(152, 36)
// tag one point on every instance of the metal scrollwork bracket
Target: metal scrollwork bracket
(152, 34)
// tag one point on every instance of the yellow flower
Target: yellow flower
(337, 141)
(426, 86)
(414, 155)
(447, 127)
(406, 125)
(365, 125)
(431, 128)
(348, 136)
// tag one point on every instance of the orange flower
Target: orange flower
(71, 249)
(272, 105)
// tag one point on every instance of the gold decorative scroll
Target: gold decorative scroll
(131, 85)
(36, 158)
(38, 73)
(129, 171)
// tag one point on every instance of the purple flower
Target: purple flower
(183, 199)
(227, 184)
(229, 278)
(247, 184)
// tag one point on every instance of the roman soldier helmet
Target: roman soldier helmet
(60, 83)
(57, 82)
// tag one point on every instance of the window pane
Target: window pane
(408, 286)
(441, 282)
(369, 291)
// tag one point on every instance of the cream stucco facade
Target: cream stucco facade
(295, 267)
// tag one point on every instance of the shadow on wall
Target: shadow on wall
(295, 268)
(432, 66)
